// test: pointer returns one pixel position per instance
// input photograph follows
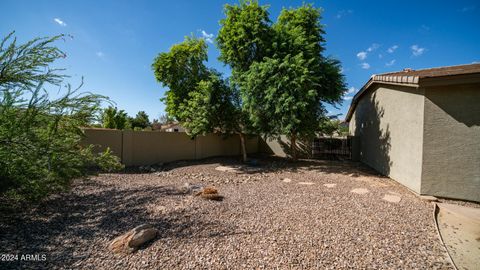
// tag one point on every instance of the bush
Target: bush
(40, 150)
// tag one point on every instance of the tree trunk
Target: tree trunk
(293, 146)
(244, 148)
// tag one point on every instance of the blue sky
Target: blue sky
(114, 42)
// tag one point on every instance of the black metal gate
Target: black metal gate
(332, 148)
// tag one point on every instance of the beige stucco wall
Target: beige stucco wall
(103, 138)
(451, 164)
(252, 144)
(145, 148)
(280, 147)
(274, 146)
(388, 123)
(149, 147)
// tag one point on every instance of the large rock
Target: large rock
(130, 242)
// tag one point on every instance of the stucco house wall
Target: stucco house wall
(451, 146)
(388, 124)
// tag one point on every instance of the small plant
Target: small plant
(104, 161)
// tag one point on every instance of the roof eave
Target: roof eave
(375, 80)
(412, 82)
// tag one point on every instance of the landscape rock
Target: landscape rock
(192, 188)
(210, 193)
(306, 183)
(130, 241)
(225, 169)
(392, 198)
(359, 190)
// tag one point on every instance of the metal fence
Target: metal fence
(332, 148)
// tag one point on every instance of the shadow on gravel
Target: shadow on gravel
(278, 164)
(66, 226)
(270, 164)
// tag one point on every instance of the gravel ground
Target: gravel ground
(264, 222)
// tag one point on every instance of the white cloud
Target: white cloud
(343, 13)
(100, 54)
(373, 47)
(208, 37)
(424, 28)
(365, 65)
(351, 90)
(390, 63)
(362, 56)
(347, 98)
(417, 50)
(60, 22)
(392, 49)
(467, 9)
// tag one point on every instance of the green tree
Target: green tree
(205, 102)
(181, 69)
(140, 121)
(40, 149)
(114, 118)
(215, 106)
(330, 127)
(245, 35)
(285, 84)
(165, 119)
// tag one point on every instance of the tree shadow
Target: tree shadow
(373, 139)
(64, 226)
(304, 147)
(265, 163)
(275, 164)
(281, 146)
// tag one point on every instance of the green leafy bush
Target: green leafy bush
(40, 150)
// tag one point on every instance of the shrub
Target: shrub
(40, 150)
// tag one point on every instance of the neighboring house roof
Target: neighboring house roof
(171, 125)
(414, 78)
